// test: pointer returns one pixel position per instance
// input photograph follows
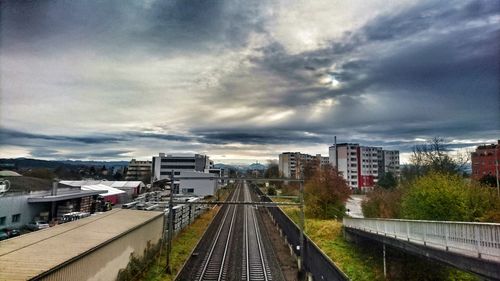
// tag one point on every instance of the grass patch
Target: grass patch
(184, 243)
(356, 262)
(364, 261)
(182, 246)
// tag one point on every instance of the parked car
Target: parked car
(12, 232)
(37, 225)
(3, 235)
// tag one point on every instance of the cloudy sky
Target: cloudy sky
(244, 80)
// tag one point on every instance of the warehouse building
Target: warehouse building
(131, 188)
(31, 199)
(93, 248)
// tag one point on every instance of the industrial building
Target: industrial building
(131, 188)
(93, 248)
(30, 199)
(202, 176)
(164, 164)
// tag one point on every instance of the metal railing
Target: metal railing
(481, 240)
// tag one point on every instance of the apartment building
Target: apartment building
(389, 162)
(361, 165)
(291, 164)
(138, 170)
(485, 160)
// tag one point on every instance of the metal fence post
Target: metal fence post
(425, 234)
(408, 231)
(476, 238)
(168, 269)
(446, 230)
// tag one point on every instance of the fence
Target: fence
(316, 262)
(183, 215)
(467, 238)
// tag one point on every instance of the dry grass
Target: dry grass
(183, 244)
(357, 263)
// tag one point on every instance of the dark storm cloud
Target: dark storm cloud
(122, 28)
(256, 137)
(110, 154)
(12, 137)
(428, 70)
(159, 136)
(54, 154)
(437, 61)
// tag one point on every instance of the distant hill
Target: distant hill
(241, 167)
(224, 166)
(95, 163)
(257, 166)
(27, 163)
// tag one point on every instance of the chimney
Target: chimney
(54, 188)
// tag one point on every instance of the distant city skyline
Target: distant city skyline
(245, 81)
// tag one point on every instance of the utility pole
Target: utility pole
(168, 268)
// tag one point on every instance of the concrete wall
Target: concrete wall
(11, 204)
(105, 261)
(202, 186)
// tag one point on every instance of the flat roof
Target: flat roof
(65, 196)
(32, 254)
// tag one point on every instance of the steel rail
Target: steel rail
(227, 245)
(250, 212)
(217, 236)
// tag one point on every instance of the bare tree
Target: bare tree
(436, 156)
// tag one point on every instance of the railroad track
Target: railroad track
(214, 266)
(255, 265)
(236, 249)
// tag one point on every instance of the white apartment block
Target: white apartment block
(291, 164)
(360, 165)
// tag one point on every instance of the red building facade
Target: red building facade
(484, 160)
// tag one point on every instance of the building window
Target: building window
(3, 220)
(187, 190)
(16, 218)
